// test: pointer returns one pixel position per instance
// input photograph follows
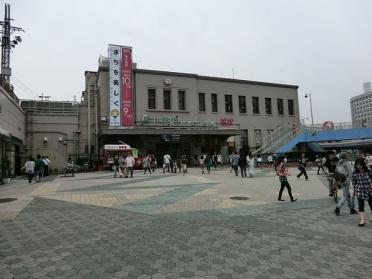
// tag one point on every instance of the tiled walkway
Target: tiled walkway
(170, 226)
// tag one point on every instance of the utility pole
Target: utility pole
(89, 135)
(7, 43)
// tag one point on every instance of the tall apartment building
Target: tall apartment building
(361, 106)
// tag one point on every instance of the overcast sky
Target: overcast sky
(324, 46)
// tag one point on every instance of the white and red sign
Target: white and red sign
(126, 87)
(226, 121)
(114, 79)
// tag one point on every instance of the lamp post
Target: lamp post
(311, 111)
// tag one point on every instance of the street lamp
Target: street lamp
(311, 110)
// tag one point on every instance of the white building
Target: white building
(361, 106)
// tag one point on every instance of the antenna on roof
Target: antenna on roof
(233, 73)
(42, 97)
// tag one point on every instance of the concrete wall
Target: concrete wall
(12, 117)
(60, 131)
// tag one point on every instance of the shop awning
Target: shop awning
(4, 132)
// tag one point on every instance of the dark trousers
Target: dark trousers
(285, 184)
(243, 171)
(30, 176)
(235, 169)
(130, 170)
(46, 170)
(361, 204)
(302, 172)
(147, 169)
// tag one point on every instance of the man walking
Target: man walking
(344, 168)
(302, 166)
(129, 161)
(39, 167)
(235, 162)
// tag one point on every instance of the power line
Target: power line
(24, 87)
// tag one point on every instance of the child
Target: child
(282, 171)
(362, 183)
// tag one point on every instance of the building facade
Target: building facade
(361, 106)
(12, 132)
(178, 112)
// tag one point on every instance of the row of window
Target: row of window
(167, 104)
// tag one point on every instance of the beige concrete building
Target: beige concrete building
(361, 107)
(176, 112)
(52, 130)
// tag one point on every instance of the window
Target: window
(290, 107)
(181, 99)
(201, 101)
(228, 103)
(268, 106)
(280, 106)
(256, 105)
(242, 105)
(167, 98)
(214, 103)
(151, 98)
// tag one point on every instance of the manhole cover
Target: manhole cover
(240, 198)
(4, 200)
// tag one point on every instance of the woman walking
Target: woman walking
(208, 163)
(29, 168)
(362, 183)
(282, 171)
(243, 165)
(250, 161)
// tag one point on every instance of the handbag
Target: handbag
(340, 177)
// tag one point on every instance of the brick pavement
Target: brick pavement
(58, 234)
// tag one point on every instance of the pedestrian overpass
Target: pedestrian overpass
(286, 137)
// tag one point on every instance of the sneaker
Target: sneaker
(353, 211)
(293, 200)
(337, 211)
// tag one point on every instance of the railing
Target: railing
(279, 136)
(336, 126)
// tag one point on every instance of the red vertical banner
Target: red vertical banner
(126, 87)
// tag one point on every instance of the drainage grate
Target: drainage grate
(4, 200)
(240, 198)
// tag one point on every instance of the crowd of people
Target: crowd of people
(37, 168)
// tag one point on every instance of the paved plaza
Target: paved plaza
(174, 226)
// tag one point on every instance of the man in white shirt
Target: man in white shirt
(166, 165)
(129, 162)
(46, 162)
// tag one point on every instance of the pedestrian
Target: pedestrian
(202, 162)
(302, 166)
(122, 168)
(153, 162)
(219, 161)
(319, 163)
(166, 163)
(146, 164)
(282, 171)
(250, 162)
(184, 163)
(369, 161)
(243, 165)
(324, 161)
(39, 168)
(259, 161)
(343, 175)
(129, 162)
(46, 162)
(331, 165)
(29, 169)
(116, 165)
(235, 162)
(362, 182)
(270, 160)
(208, 163)
(229, 160)
(215, 160)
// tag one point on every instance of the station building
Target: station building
(173, 112)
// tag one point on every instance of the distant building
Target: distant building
(361, 106)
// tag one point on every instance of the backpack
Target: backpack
(340, 177)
